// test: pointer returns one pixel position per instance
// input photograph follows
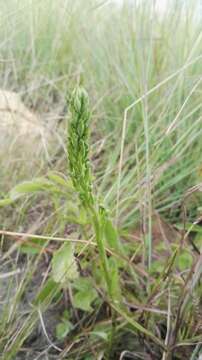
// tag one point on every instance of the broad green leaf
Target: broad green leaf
(85, 294)
(82, 284)
(31, 187)
(63, 328)
(83, 299)
(64, 266)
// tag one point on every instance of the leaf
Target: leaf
(63, 328)
(101, 334)
(184, 260)
(30, 187)
(114, 278)
(64, 266)
(59, 180)
(49, 290)
(83, 300)
(111, 235)
(85, 294)
(101, 331)
(82, 284)
(113, 241)
(82, 218)
(34, 246)
(5, 202)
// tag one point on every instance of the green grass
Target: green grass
(142, 73)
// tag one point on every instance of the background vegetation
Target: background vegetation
(142, 72)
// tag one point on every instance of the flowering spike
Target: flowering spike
(78, 149)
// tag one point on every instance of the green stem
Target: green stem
(98, 228)
(99, 239)
(113, 332)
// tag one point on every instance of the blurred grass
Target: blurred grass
(142, 71)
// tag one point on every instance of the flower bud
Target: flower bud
(79, 100)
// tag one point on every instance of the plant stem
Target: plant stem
(99, 239)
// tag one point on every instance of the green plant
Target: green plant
(78, 154)
(64, 267)
(81, 178)
(144, 82)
